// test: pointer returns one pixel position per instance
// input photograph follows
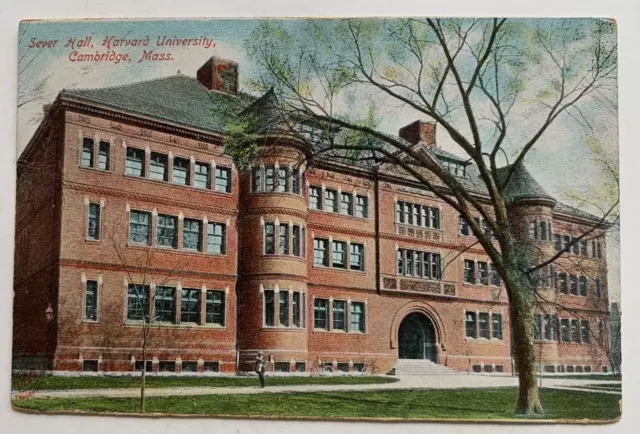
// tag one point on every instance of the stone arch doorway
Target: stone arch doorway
(417, 338)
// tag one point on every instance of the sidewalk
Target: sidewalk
(417, 382)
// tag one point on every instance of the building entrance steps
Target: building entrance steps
(413, 367)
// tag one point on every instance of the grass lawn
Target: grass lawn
(53, 382)
(613, 386)
(612, 377)
(405, 404)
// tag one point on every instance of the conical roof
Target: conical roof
(522, 185)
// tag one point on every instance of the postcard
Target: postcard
(385, 219)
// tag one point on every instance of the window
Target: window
(90, 365)
(321, 314)
(190, 306)
(419, 264)
(469, 271)
(338, 254)
(495, 276)
(216, 238)
(483, 325)
(470, 325)
(543, 230)
(295, 234)
(296, 309)
(575, 331)
(257, 179)
(223, 179)
(315, 198)
(139, 227)
(362, 206)
(596, 249)
(269, 308)
(192, 235)
(598, 289)
(283, 300)
(356, 260)
(283, 179)
(148, 366)
(269, 239)
(550, 328)
(483, 273)
(583, 286)
(211, 367)
(167, 366)
(434, 218)
(283, 239)
(330, 200)
(295, 181)
(91, 300)
(584, 331)
(181, 170)
(345, 204)
(158, 167)
(417, 215)
(87, 152)
(304, 310)
(573, 280)
(320, 252)
(564, 330)
(537, 327)
(558, 242)
(496, 325)
(167, 233)
(464, 227)
(137, 302)
(104, 160)
(269, 173)
(562, 278)
(456, 169)
(575, 246)
(165, 304)
(357, 317)
(214, 309)
(339, 315)
(583, 247)
(93, 221)
(201, 178)
(135, 162)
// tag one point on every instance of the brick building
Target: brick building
(128, 208)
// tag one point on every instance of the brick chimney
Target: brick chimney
(419, 132)
(219, 74)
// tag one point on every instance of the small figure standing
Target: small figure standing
(260, 367)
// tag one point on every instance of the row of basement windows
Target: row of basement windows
(483, 325)
(418, 215)
(285, 239)
(162, 167)
(267, 179)
(166, 308)
(321, 198)
(551, 328)
(167, 230)
(481, 273)
(338, 315)
(331, 253)
(162, 366)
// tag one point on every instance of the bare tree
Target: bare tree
(494, 86)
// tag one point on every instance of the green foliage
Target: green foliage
(243, 142)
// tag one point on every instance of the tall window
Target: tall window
(330, 201)
(283, 179)
(550, 327)
(564, 330)
(137, 302)
(269, 239)
(192, 235)
(496, 325)
(181, 170)
(419, 264)
(91, 300)
(257, 179)
(575, 331)
(469, 271)
(470, 325)
(216, 238)
(598, 289)
(315, 198)
(165, 304)
(202, 178)
(269, 173)
(573, 280)
(339, 315)
(87, 152)
(356, 257)
(557, 242)
(295, 234)
(269, 308)
(214, 310)
(495, 276)
(464, 227)
(295, 309)
(295, 181)
(562, 279)
(483, 273)
(537, 327)
(104, 155)
(135, 162)
(362, 207)
(283, 304)
(585, 331)
(320, 252)
(93, 221)
(346, 204)
(339, 254)
(483, 325)
(283, 239)
(167, 233)
(357, 317)
(321, 314)
(158, 167)
(190, 306)
(223, 179)
(139, 227)
(583, 285)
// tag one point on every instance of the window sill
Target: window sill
(278, 193)
(175, 251)
(170, 325)
(339, 332)
(484, 340)
(324, 267)
(96, 170)
(92, 241)
(281, 256)
(90, 321)
(283, 329)
(338, 213)
(172, 184)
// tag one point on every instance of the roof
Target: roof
(522, 185)
(178, 99)
(569, 210)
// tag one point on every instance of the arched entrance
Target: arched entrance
(417, 338)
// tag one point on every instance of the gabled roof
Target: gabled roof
(178, 99)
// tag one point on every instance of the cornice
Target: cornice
(341, 230)
(275, 210)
